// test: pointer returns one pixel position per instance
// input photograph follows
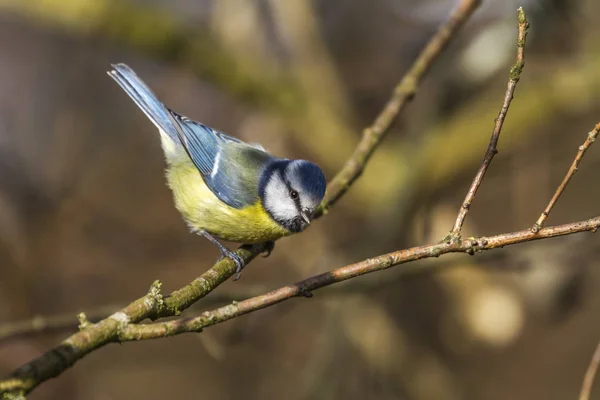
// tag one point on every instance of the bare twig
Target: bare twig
(590, 374)
(305, 287)
(403, 93)
(44, 324)
(514, 75)
(591, 138)
(154, 305)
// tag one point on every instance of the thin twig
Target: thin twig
(45, 324)
(67, 321)
(591, 138)
(514, 75)
(590, 374)
(305, 287)
(403, 93)
(154, 305)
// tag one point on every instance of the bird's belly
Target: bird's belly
(202, 210)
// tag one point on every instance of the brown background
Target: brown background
(86, 220)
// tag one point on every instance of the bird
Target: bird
(225, 188)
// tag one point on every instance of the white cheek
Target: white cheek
(277, 200)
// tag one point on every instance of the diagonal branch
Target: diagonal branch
(66, 321)
(403, 93)
(514, 75)
(153, 305)
(590, 374)
(591, 138)
(305, 287)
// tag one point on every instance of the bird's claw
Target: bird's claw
(269, 246)
(239, 265)
(237, 260)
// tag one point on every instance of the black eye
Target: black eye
(293, 194)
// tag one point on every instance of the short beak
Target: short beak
(306, 216)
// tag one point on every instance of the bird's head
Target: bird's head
(291, 191)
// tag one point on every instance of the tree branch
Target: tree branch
(67, 321)
(403, 93)
(590, 374)
(153, 305)
(514, 75)
(591, 138)
(43, 324)
(305, 287)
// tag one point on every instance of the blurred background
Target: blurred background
(87, 224)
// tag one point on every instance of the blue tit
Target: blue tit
(225, 188)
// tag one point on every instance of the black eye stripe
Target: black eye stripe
(295, 199)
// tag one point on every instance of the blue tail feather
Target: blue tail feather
(146, 100)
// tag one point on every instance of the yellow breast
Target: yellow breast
(202, 210)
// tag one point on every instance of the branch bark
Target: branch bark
(153, 305)
(514, 76)
(591, 138)
(304, 288)
(67, 321)
(43, 324)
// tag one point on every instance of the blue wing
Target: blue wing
(229, 167)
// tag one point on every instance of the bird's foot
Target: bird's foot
(237, 260)
(225, 252)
